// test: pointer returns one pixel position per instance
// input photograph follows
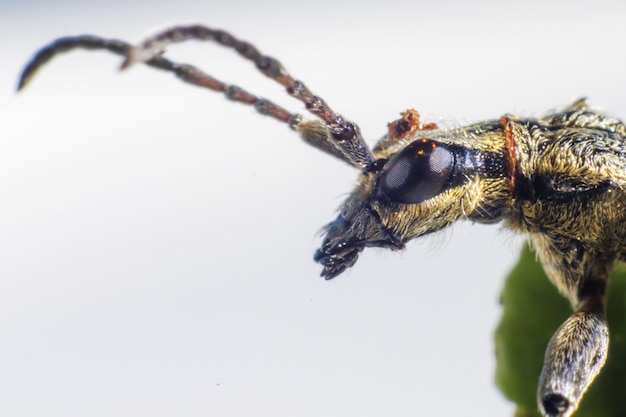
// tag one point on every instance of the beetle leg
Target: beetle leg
(578, 349)
(574, 357)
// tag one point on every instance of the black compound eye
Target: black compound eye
(418, 172)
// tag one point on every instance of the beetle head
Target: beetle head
(416, 187)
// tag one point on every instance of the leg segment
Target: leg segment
(574, 357)
(577, 351)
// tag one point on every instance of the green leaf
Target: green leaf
(532, 311)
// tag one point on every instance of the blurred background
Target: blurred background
(156, 240)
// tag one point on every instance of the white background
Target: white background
(156, 240)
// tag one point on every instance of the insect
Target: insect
(559, 179)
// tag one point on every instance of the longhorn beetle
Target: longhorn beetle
(559, 179)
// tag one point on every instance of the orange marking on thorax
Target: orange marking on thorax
(511, 147)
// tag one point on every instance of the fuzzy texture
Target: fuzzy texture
(559, 179)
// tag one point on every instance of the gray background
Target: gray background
(156, 240)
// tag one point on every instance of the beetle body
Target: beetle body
(559, 179)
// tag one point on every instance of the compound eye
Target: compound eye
(418, 172)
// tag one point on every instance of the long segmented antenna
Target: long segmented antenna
(346, 136)
(185, 72)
